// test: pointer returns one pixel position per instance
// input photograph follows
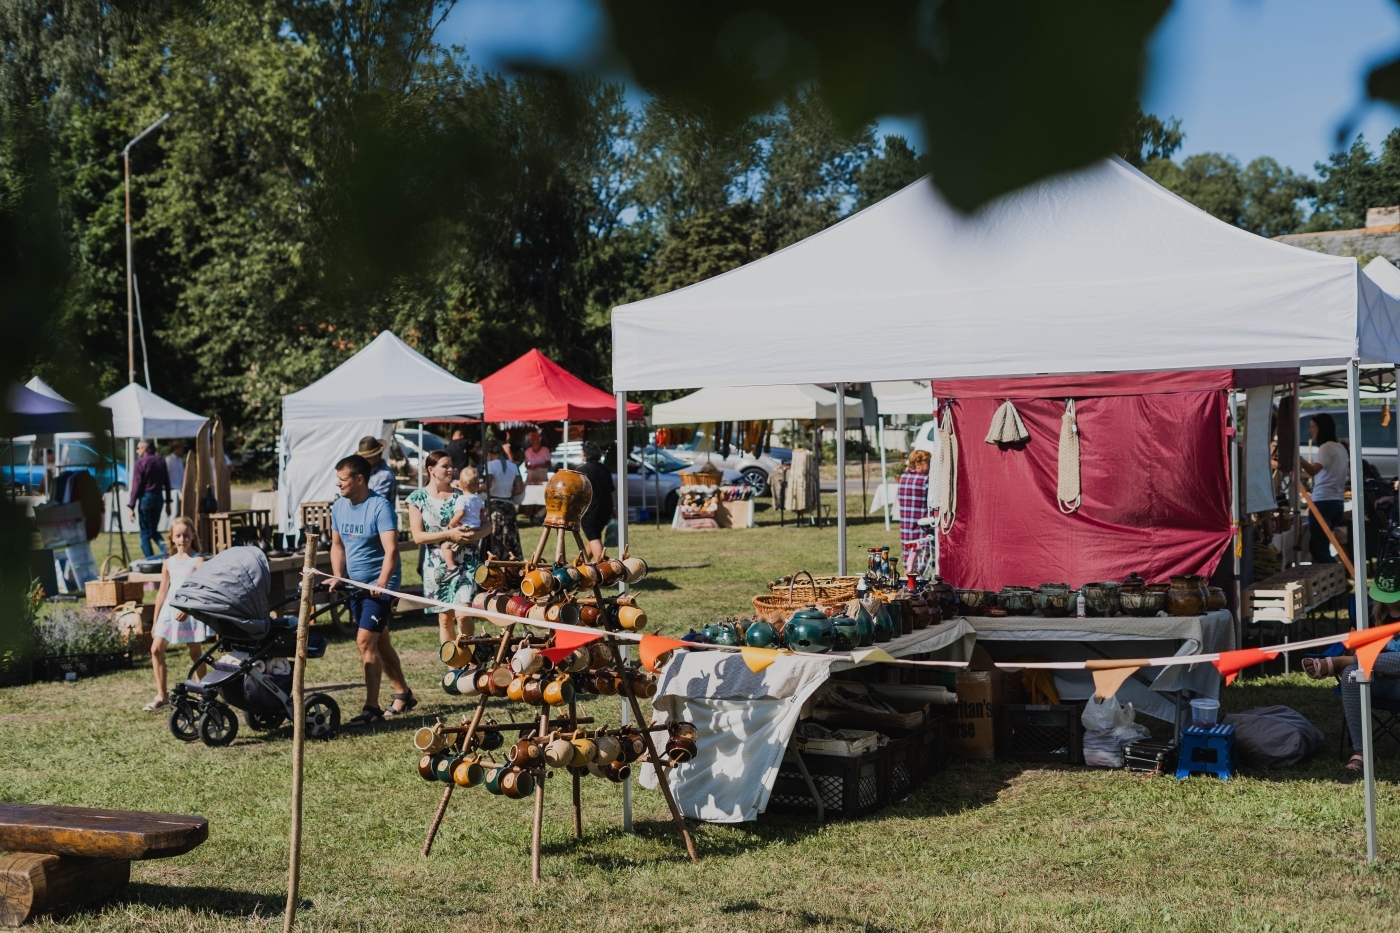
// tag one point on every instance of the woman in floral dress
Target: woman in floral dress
(430, 510)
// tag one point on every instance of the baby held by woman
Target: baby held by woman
(468, 513)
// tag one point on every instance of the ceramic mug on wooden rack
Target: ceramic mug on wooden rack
(537, 582)
(453, 654)
(492, 780)
(631, 618)
(589, 574)
(643, 685)
(585, 750)
(467, 682)
(489, 577)
(576, 662)
(605, 682)
(468, 772)
(534, 690)
(516, 784)
(481, 599)
(526, 753)
(442, 766)
(519, 607)
(617, 772)
(557, 692)
(600, 655)
(632, 746)
(449, 680)
(609, 749)
(610, 571)
(425, 768)
(565, 612)
(490, 739)
(516, 690)
(680, 749)
(636, 569)
(526, 660)
(559, 753)
(430, 740)
(588, 614)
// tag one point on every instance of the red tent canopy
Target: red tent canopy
(535, 388)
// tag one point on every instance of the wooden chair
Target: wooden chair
(62, 858)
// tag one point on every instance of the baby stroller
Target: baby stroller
(229, 593)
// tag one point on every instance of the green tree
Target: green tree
(1272, 196)
(1147, 137)
(1354, 180)
(894, 167)
(1209, 180)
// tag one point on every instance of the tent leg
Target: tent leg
(1236, 539)
(565, 443)
(622, 548)
(840, 479)
(884, 474)
(1294, 500)
(1358, 551)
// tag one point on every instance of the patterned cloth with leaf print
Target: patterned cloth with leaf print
(438, 583)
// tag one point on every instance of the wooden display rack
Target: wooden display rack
(466, 733)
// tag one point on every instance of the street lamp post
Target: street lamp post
(130, 298)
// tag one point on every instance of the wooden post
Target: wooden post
(462, 742)
(653, 756)
(578, 808)
(537, 829)
(308, 585)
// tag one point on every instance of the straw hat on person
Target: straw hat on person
(370, 446)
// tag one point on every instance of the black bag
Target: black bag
(1274, 736)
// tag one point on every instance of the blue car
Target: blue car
(72, 455)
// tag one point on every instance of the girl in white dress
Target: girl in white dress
(173, 627)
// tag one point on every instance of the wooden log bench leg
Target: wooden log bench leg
(32, 884)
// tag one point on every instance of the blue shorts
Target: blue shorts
(371, 612)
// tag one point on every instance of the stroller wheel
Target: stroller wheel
(184, 721)
(263, 721)
(322, 717)
(217, 726)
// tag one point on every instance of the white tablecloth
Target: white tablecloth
(745, 719)
(1120, 637)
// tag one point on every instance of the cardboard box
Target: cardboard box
(737, 514)
(968, 730)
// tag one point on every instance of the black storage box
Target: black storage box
(1026, 732)
(1149, 757)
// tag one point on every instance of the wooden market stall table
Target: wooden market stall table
(746, 719)
(1072, 639)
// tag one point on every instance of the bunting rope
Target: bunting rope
(1367, 643)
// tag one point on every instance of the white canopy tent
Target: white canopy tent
(385, 382)
(1100, 270)
(43, 388)
(906, 397)
(139, 412)
(753, 403)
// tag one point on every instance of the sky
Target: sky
(1246, 77)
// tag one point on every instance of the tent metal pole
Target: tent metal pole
(1294, 499)
(565, 443)
(421, 456)
(621, 548)
(1358, 550)
(840, 479)
(884, 469)
(1237, 538)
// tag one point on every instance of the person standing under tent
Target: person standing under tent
(537, 462)
(365, 549)
(381, 477)
(150, 484)
(175, 464)
(600, 511)
(461, 451)
(430, 513)
(173, 627)
(912, 496)
(1329, 479)
(503, 485)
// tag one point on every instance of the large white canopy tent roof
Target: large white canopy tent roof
(1100, 270)
(753, 403)
(906, 397)
(385, 382)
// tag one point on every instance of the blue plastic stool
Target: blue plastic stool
(1207, 751)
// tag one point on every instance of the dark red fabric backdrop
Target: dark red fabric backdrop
(1154, 475)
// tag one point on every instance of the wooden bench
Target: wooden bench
(62, 858)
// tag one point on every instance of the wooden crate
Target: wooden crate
(1324, 581)
(228, 528)
(1283, 602)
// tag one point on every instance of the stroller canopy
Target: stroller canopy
(229, 593)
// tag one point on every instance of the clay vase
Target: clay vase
(559, 753)
(1187, 596)
(537, 583)
(567, 496)
(1215, 598)
(609, 749)
(468, 772)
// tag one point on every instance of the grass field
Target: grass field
(994, 846)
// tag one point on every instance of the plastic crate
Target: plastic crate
(16, 673)
(84, 665)
(849, 787)
(913, 758)
(1027, 732)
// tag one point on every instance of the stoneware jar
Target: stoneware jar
(567, 496)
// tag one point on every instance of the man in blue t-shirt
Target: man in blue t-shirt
(365, 548)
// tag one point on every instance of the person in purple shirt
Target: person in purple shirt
(150, 485)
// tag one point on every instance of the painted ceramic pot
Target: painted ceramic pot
(945, 598)
(1215, 598)
(1101, 600)
(1054, 604)
(724, 633)
(761, 634)
(1142, 602)
(809, 631)
(567, 496)
(1187, 595)
(884, 624)
(847, 633)
(975, 602)
(1016, 600)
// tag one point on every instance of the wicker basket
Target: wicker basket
(842, 588)
(103, 593)
(701, 478)
(777, 607)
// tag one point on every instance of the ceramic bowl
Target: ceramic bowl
(975, 602)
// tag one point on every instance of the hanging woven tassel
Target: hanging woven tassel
(947, 479)
(1385, 415)
(1068, 493)
(1007, 426)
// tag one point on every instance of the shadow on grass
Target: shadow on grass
(653, 582)
(202, 899)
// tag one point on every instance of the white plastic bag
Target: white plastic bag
(1108, 726)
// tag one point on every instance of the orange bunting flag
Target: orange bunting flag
(566, 643)
(654, 646)
(759, 659)
(1109, 674)
(1358, 637)
(1230, 663)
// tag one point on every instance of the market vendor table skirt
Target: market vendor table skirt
(746, 719)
